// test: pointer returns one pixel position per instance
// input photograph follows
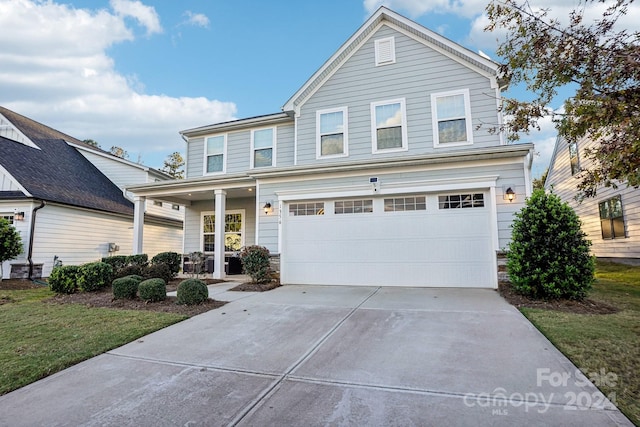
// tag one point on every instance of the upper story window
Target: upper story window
(573, 158)
(385, 51)
(331, 133)
(263, 147)
(612, 218)
(215, 153)
(389, 126)
(451, 118)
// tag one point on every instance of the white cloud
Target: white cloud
(55, 69)
(145, 15)
(196, 19)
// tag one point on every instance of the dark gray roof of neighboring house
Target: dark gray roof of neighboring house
(57, 172)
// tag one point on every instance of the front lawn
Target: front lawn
(39, 338)
(607, 345)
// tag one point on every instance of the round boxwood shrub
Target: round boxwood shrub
(159, 271)
(255, 263)
(126, 287)
(152, 290)
(173, 260)
(192, 291)
(94, 276)
(548, 257)
(64, 279)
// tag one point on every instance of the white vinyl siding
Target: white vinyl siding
(215, 154)
(263, 147)
(389, 126)
(451, 118)
(332, 138)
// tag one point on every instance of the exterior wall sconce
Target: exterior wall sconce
(267, 208)
(18, 216)
(509, 194)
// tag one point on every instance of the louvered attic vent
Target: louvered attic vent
(385, 51)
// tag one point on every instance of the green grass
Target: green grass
(608, 344)
(38, 339)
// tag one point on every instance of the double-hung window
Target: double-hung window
(573, 158)
(215, 153)
(331, 133)
(388, 126)
(451, 118)
(612, 218)
(263, 147)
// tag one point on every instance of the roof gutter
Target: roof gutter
(31, 232)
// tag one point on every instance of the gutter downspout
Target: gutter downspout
(31, 232)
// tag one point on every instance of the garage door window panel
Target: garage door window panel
(353, 206)
(306, 209)
(461, 201)
(402, 204)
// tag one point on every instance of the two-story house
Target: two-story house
(611, 219)
(67, 200)
(374, 173)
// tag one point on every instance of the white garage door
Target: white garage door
(440, 240)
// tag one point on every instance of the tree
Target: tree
(119, 152)
(548, 257)
(538, 183)
(91, 142)
(10, 243)
(173, 165)
(598, 59)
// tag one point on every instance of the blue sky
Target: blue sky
(133, 73)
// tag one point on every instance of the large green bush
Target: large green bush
(126, 287)
(94, 276)
(172, 259)
(116, 261)
(255, 263)
(548, 257)
(160, 271)
(64, 279)
(192, 291)
(140, 259)
(152, 290)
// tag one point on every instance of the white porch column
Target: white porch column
(218, 256)
(138, 223)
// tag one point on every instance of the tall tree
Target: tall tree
(91, 142)
(10, 243)
(598, 59)
(119, 152)
(538, 183)
(173, 165)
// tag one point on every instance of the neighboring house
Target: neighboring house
(612, 218)
(66, 199)
(375, 173)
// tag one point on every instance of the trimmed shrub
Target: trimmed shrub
(94, 276)
(126, 287)
(116, 261)
(141, 260)
(548, 257)
(192, 292)
(160, 271)
(64, 279)
(172, 259)
(255, 263)
(129, 270)
(152, 290)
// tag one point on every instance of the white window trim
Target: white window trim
(345, 132)
(242, 229)
(392, 43)
(467, 112)
(273, 147)
(224, 156)
(374, 128)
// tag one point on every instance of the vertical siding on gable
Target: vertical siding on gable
(7, 183)
(418, 72)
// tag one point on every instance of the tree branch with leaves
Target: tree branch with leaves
(598, 59)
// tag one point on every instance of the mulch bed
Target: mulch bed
(255, 287)
(586, 306)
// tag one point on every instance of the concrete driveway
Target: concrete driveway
(321, 355)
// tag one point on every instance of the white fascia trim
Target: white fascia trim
(426, 186)
(6, 173)
(240, 124)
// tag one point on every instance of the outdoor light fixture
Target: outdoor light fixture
(18, 216)
(510, 194)
(267, 208)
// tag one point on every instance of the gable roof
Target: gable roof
(56, 171)
(399, 22)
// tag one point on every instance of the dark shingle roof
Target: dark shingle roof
(58, 172)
